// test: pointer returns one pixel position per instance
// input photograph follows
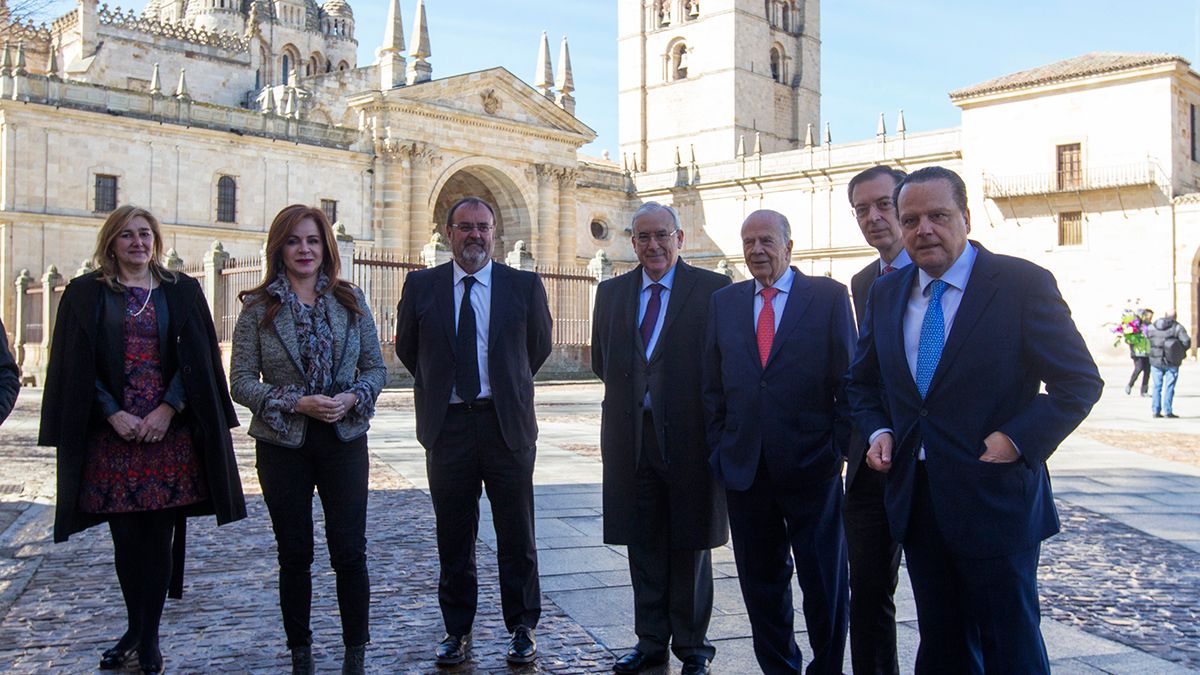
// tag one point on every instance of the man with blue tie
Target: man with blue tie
(660, 498)
(946, 384)
(473, 333)
(874, 555)
(775, 358)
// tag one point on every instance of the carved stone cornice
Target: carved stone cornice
(394, 149)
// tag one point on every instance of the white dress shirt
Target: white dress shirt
(481, 302)
(784, 285)
(664, 296)
(902, 260)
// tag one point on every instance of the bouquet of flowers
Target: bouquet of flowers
(1132, 330)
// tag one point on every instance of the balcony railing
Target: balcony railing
(1089, 178)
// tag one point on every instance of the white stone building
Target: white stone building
(217, 113)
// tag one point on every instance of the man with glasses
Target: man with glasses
(874, 555)
(473, 334)
(660, 498)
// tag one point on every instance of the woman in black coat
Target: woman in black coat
(134, 347)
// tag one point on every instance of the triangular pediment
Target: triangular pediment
(494, 95)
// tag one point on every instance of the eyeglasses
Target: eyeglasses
(884, 205)
(662, 237)
(468, 228)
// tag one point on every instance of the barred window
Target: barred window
(1070, 167)
(329, 206)
(226, 200)
(1070, 228)
(106, 193)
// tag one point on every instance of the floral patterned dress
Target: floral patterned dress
(123, 476)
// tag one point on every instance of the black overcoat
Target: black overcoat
(85, 348)
(698, 519)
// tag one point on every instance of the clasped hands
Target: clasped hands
(327, 408)
(999, 449)
(149, 429)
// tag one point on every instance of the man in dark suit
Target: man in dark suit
(775, 358)
(660, 498)
(945, 384)
(874, 555)
(473, 333)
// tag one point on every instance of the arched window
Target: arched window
(287, 68)
(226, 200)
(677, 67)
(787, 16)
(776, 65)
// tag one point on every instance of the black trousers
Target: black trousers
(339, 471)
(469, 455)
(773, 525)
(142, 553)
(672, 588)
(874, 574)
(1141, 366)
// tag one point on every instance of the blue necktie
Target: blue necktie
(933, 337)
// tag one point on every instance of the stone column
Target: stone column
(345, 245)
(601, 268)
(50, 297)
(520, 258)
(393, 171)
(546, 229)
(420, 220)
(174, 262)
(24, 279)
(567, 227)
(215, 260)
(436, 251)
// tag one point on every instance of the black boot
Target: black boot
(302, 661)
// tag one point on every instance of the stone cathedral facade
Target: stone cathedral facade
(215, 114)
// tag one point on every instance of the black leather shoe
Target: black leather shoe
(522, 646)
(150, 661)
(1172, 416)
(695, 665)
(1157, 415)
(355, 661)
(637, 661)
(116, 657)
(453, 649)
(302, 661)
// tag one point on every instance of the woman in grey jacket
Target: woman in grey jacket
(306, 361)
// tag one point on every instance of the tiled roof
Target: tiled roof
(1094, 63)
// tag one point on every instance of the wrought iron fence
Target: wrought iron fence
(569, 290)
(239, 274)
(381, 278)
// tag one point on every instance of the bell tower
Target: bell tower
(714, 76)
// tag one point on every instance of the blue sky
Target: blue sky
(877, 55)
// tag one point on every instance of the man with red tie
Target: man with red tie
(776, 351)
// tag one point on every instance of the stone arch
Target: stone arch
(498, 185)
(289, 57)
(676, 60)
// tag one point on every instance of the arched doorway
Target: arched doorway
(513, 221)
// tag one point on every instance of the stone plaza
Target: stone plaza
(1120, 586)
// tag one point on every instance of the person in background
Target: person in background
(1141, 356)
(1169, 343)
(136, 404)
(306, 361)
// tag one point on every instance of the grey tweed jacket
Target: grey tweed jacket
(264, 358)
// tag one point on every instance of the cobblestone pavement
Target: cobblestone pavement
(1122, 584)
(60, 605)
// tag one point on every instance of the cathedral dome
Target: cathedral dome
(337, 8)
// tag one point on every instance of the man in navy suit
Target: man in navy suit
(946, 385)
(775, 358)
(473, 333)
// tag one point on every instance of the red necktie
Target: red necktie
(653, 307)
(766, 324)
(888, 268)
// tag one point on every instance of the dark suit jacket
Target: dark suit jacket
(860, 287)
(793, 413)
(10, 377)
(518, 344)
(697, 503)
(1012, 333)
